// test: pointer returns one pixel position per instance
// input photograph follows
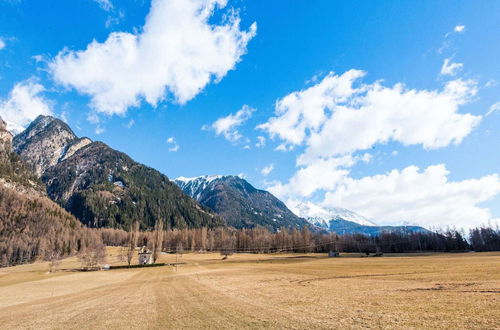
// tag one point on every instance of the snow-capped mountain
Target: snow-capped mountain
(321, 216)
(239, 203)
(343, 221)
(194, 187)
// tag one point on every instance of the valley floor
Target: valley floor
(259, 291)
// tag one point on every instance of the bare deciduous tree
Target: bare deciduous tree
(93, 257)
(132, 243)
(178, 250)
(55, 261)
(157, 240)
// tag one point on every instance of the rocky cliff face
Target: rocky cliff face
(101, 186)
(5, 139)
(239, 203)
(46, 142)
(14, 173)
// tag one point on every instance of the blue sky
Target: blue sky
(158, 97)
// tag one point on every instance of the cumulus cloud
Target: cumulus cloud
(2, 44)
(340, 117)
(322, 175)
(23, 104)
(450, 68)
(267, 169)
(176, 54)
(228, 126)
(494, 108)
(335, 117)
(424, 197)
(173, 146)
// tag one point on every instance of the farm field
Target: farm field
(259, 291)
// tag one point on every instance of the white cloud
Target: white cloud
(23, 104)
(176, 54)
(267, 169)
(93, 118)
(459, 28)
(323, 174)
(261, 142)
(106, 5)
(339, 117)
(494, 108)
(228, 126)
(114, 19)
(99, 130)
(2, 44)
(450, 68)
(427, 197)
(334, 117)
(491, 83)
(38, 58)
(173, 144)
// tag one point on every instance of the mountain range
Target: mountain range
(321, 216)
(101, 186)
(342, 221)
(240, 203)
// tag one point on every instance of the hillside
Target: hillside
(239, 203)
(103, 187)
(31, 225)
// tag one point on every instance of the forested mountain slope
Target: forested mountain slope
(239, 203)
(31, 225)
(103, 187)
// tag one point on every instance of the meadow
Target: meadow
(295, 291)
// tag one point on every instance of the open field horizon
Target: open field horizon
(259, 291)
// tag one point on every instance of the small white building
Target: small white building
(145, 256)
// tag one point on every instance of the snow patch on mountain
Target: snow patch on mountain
(196, 185)
(321, 216)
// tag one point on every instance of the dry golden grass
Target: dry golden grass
(259, 291)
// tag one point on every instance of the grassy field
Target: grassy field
(259, 291)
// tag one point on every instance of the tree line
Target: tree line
(39, 230)
(260, 240)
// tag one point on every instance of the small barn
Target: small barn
(145, 256)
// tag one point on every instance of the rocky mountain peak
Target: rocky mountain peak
(45, 142)
(239, 203)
